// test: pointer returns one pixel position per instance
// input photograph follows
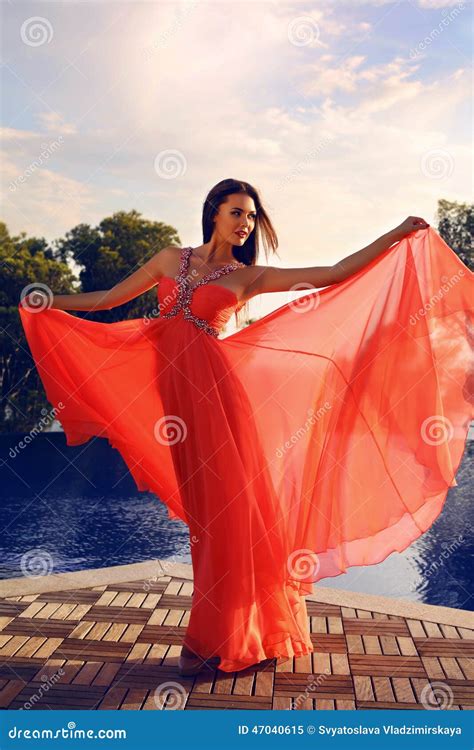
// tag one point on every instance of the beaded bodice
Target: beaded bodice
(208, 311)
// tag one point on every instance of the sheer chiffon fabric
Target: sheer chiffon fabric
(322, 436)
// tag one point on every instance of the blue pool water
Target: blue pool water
(68, 531)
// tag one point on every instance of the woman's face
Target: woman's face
(235, 219)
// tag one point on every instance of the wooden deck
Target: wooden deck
(116, 646)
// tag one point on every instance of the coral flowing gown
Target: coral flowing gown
(322, 436)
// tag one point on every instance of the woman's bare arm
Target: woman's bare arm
(146, 277)
(271, 279)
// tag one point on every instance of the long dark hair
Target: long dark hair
(263, 232)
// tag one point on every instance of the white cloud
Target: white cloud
(55, 123)
(334, 149)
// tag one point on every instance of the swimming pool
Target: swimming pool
(89, 517)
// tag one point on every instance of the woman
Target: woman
(305, 443)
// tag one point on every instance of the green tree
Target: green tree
(456, 227)
(106, 254)
(86, 259)
(23, 261)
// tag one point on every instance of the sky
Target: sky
(346, 116)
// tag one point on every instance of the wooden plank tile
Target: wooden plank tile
(357, 626)
(46, 628)
(57, 696)
(433, 646)
(106, 674)
(74, 596)
(317, 686)
(112, 699)
(403, 690)
(98, 631)
(416, 628)
(389, 705)
(12, 609)
(145, 586)
(162, 634)
(451, 668)
(23, 669)
(9, 692)
(172, 601)
(212, 701)
(86, 650)
(363, 688)
(406, 646)
(466, 633)
(390, 666)
(329, 642)
(125, 614)
(264, 683)
(432, 629)
(319, 609)
(355, 644)
(31, 646)
(134, 700)
(433, 667)
(467, 666)
(371, 644)
(88, 673)
(124, 640)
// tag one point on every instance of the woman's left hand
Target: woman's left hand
(411, 224)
